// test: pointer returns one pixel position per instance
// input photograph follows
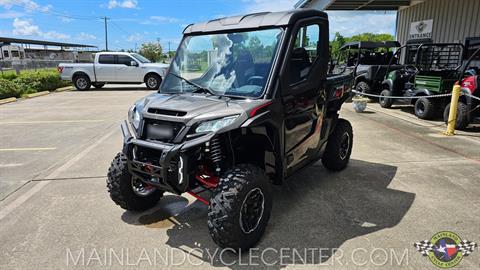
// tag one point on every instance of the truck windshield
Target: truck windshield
(232, 64)
(140, 58)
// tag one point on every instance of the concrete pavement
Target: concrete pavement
(405, 183)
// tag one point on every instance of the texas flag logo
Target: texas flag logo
(445, 249)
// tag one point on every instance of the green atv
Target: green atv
(431, 69)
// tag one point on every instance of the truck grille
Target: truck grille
(163, 131)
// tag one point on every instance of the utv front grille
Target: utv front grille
(162, 131)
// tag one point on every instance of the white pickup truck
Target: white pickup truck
(114, 67)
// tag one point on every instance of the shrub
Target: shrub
(8, 89)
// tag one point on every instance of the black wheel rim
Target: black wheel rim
(420, 108)
(141, 189)
(344, 146)
(252, 210)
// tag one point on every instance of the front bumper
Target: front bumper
(173, 166)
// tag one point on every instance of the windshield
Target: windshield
(233, 64)
(140, 58)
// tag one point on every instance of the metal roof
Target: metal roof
(254, 21)
(371, 44)
(6, 40)
(353, 4)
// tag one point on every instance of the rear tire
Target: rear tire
(462, 116)
(82, 82)
(424, 108)
(240, 208)
(339, 147)
(384, 101)
(120, 187)
(98, 85)
(153, 81)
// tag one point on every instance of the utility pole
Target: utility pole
(106, 33)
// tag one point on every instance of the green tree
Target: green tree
(337, 42)
(152, 51)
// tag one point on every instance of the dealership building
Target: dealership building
(419, 21)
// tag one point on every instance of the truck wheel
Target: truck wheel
(82, 82)
(339, 147)
(127, 191)
(240, 207)
(462, 116)
(424, 108)
(384, 101)
(98, 85)
(153, 81)
(363, 87)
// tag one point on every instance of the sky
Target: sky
(133, 22)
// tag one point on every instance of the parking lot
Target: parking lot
(406, 181)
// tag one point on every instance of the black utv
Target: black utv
(372, 60)
(258, 107)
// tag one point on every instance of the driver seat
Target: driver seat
(244, 68)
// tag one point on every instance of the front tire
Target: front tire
(153, 81)
(339, 147)
(462, 116)
(127, 192)
(240, 207)
(363, 87)
(82, 82)
(424, 108)
(384, 101)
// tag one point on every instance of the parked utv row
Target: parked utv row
(432, 71)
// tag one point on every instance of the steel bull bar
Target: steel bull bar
(173, 161)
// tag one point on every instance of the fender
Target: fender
(389, 83)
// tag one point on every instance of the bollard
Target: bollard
(452, 115)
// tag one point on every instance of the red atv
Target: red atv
(468, 106)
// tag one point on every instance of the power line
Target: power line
(54, 13)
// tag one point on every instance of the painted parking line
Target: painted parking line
(40, 184)
(9, 165)
(51, 122)
(26, 149)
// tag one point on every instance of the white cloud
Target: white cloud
(163, 19)
(28, 5)
(268, 5)
(349, 23)
(135, 37)
(122, 4)
(27, 28)
(11, 15)
(85, 36)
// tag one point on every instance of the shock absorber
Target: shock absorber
(216, 153)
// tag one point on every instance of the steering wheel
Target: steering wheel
(411, 69)
(255, 80)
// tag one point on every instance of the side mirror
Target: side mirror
(133, 63)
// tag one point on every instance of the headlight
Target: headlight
(214, 125)
(134, 117)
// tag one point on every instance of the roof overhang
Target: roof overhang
(43, 43)
(353, 4)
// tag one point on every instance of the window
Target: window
(106, 59)
(124, 60)
(15, 54)
(5, 54)
(304, 53)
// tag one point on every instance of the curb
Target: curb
(62, 89)
(43, 93)
(7, 100)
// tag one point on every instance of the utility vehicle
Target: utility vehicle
(256, 109)
(114, 67)
(432, 71)
(468, 107)
(371, 60)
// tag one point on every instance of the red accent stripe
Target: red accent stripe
(254, 111)
(198, 197)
